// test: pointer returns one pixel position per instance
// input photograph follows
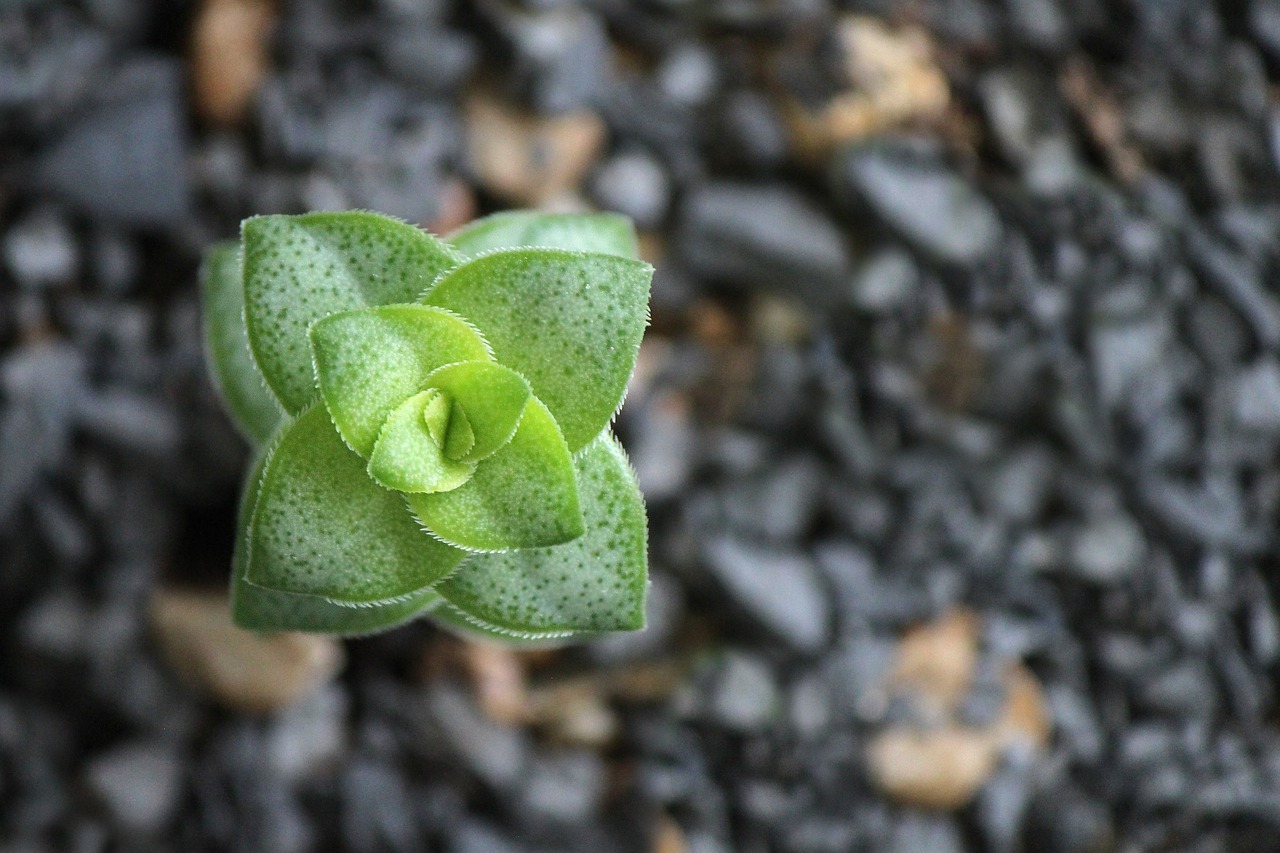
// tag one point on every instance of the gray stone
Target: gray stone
(664, 449)
(886, 281)
(635, 184)
(377, 812)
(1186, 688)
(1123, 353)
(1257, 396)
(766, 236)
(563, 787)
(141, 423)
(432, 59)
(1003, 803)
(496, 754)
(1021, 483)
(744, 694)
(779, 589)
(1108, 550)
(40, 250)
(915, 194)
(124, 159)
(308, 735)
(916, 832)
(139, 784)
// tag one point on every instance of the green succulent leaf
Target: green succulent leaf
(408, 457)
(522, 496)
(369, 360)
(606, 233)
(569, 322)
(594, 583)
(321, 527)
(470, 628)
(253, 408)
(298, 269)
(260, 609)
(491, 399)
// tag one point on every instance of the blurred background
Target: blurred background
(958, 421)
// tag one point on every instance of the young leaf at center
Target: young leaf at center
(491, 397)
(520, 497)
(371, 360)
(408, 457)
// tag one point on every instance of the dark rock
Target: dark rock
(40, 250)
(635, 184)
(563, 787)
(744, 694)
(1108, 550)
(913, 192)
(377, 812)
(778, 589)
(138, 783)
(123, 160)
(432, 59)
(749, 132)
(763, 236)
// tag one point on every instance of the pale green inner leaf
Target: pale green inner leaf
(569, 322)
(606, 233)
(322, 527)
(407, 457)
(370, 360)
(461, 438)
(522, 496)
(594, 583)
(252, 406)
(298, 269)
(492, 397)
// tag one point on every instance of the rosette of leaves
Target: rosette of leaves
(432, 422)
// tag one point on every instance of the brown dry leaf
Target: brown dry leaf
(937, 661)
(940, 769)
(229, 58)
(243, 670)
(893, 80)
(528, 159)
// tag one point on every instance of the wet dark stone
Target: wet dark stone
(122, 160)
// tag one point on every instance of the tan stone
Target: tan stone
(893, 81)
(937, 661)
(528, 159)
(243, 670)
(941, 769)
(229, 57)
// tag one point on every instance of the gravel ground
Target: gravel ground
(959, 423)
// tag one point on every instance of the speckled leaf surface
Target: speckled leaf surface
(492, 397)
(370, 360)
(594, 583)
(298, 269)
(253, 408)
(321, 527)
(523, 496)
(569, 322)
(406, 456)
(260, 609)
(606, 233)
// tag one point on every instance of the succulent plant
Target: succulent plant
(431, 418)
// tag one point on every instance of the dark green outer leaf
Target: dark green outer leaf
(606, 233)
(299, 269)
(260, 609)
(321, 527)
(569, 322)
(253, 408)
(594, 583)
